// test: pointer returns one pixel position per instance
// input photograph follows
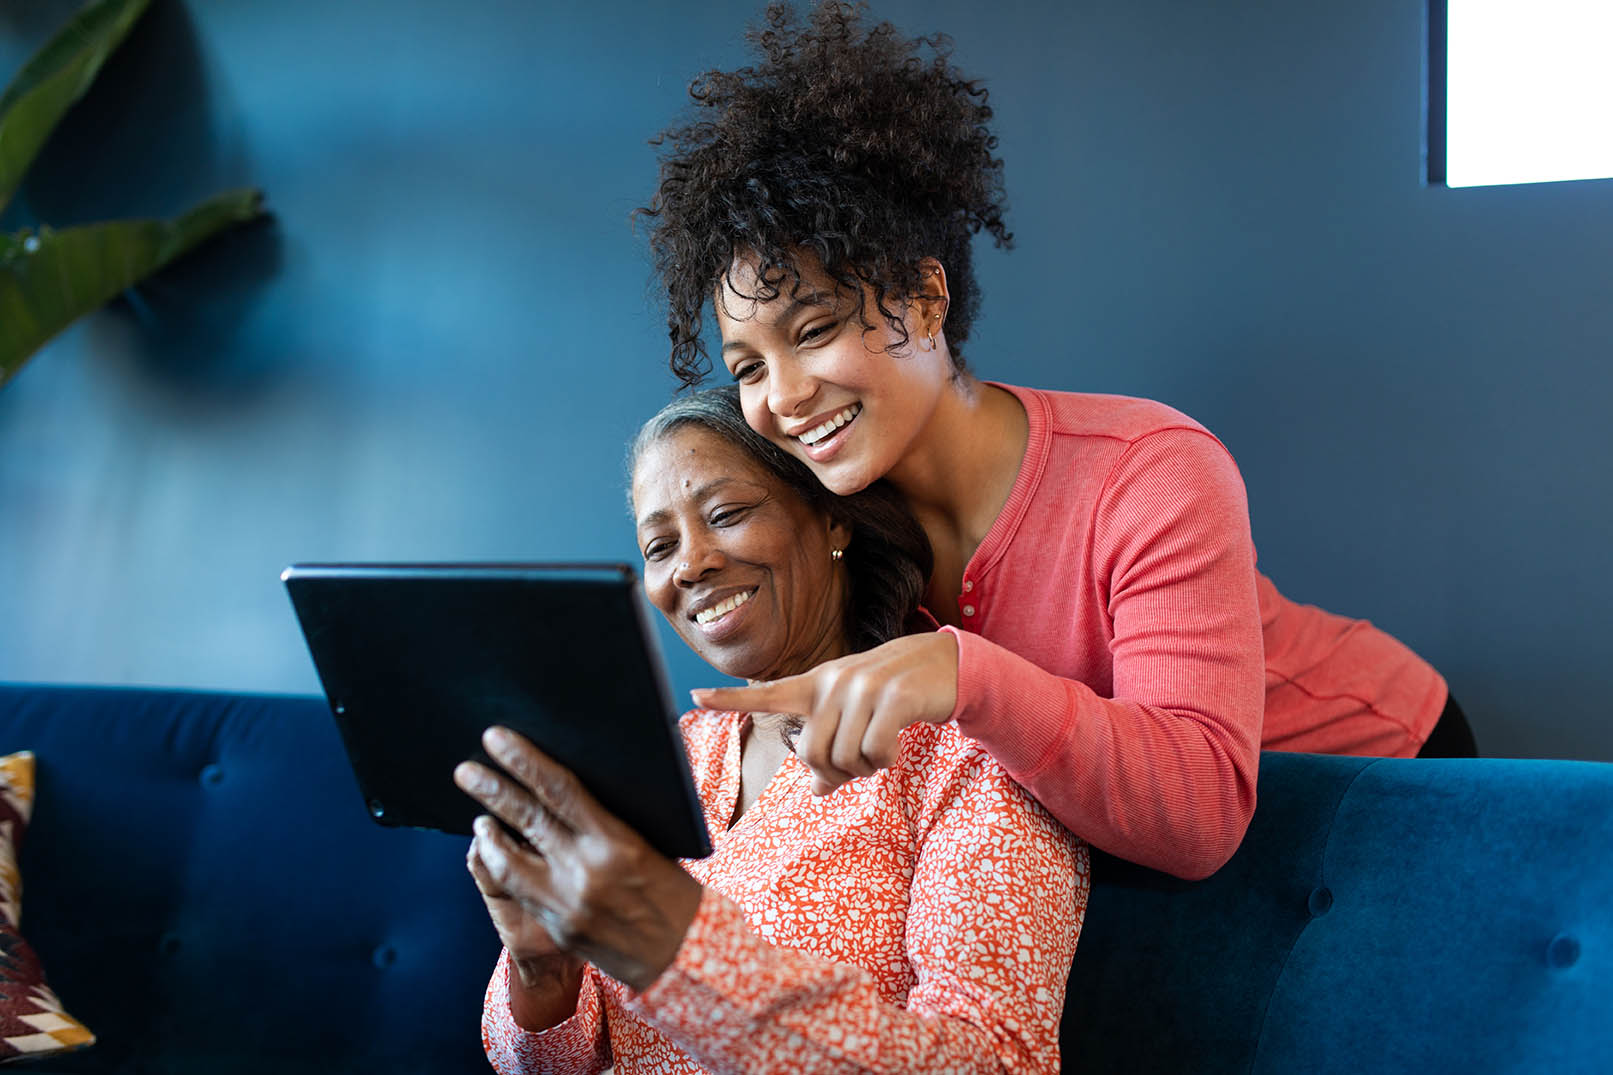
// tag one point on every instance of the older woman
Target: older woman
(921, 919)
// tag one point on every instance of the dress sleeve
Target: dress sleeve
(1162, 772)
(577, 1046)
(995, 907)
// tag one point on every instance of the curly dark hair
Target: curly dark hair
(888, 560)
(846, 146)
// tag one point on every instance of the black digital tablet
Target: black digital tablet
(416, 660)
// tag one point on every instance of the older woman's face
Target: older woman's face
(735, 560)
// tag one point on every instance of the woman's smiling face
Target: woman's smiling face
(833, 386)
(736, 560)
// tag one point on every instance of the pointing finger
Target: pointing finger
(813, 747)
(791, 695)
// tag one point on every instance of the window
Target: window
(1519, 91)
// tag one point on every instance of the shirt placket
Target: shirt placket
(970, 603)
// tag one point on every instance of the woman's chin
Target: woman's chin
(843, 477)
(738, 661)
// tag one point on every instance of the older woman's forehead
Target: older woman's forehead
(689, 458)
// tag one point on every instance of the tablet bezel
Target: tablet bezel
(416, 659)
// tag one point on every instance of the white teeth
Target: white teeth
(812, 436)
(722, 608)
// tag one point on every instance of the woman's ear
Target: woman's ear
(839, 534)
(933, 297)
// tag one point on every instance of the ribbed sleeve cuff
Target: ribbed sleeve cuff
(1004, 705)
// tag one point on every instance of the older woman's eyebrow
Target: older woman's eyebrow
(661, 515)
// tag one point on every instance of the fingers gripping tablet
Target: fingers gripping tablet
(416, 660)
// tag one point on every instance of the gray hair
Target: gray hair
(889, 559)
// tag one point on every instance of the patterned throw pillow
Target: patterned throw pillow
(32, 1022)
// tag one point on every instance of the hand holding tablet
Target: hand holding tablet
(418, 660)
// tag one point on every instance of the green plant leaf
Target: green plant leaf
(55, 77)
(48, 279)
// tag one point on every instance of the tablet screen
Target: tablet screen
(417, 659)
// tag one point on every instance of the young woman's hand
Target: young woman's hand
(592, 884)
(854, 707)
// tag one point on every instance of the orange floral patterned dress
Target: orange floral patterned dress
(921, 919)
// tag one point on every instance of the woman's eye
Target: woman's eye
(657, 549)
(747, 372)
(727, 516)
(817, 332)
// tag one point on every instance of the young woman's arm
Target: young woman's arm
(1160, 768)
(1161, 771)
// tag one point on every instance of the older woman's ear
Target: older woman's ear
(839, 535)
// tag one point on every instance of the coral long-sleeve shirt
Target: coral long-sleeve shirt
(922, 919)
(1111, 652)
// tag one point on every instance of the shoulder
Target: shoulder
(1088, 451)
(958, 794)
(696, 721)
(924, 746)
(941, 762)
(1095, 414)
(706, 732)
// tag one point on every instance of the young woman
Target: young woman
(1107, 636)
(821, 934)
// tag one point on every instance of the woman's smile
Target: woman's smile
(819, 433)
(719, 617)
(735, 559)
(824, 441)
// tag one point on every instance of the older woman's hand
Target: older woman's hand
(595, 887)
(855, 707)
(547, 980)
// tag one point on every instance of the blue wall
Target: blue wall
(439, 347)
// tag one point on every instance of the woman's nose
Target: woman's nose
(789, 388)
(700, 557)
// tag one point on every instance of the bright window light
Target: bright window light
(1528, 93)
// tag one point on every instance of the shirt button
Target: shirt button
(968, 584)
(968, 610)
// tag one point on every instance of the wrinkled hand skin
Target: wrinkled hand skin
(522, 934)
(590, 884)
(547, 980)
(853, 708)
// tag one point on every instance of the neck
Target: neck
(781, 726)
(831, 644)
(959, 472)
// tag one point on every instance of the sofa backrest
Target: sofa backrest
(1381, 915)
(206, 892)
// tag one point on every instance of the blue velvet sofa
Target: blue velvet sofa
(1381, 915)
(207, 894)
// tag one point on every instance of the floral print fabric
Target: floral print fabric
(922, 919)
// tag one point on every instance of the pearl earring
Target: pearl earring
(836, 554)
